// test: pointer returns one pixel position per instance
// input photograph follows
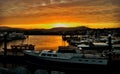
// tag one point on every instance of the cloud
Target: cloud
(92, 10)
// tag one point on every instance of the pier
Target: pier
(15, 58)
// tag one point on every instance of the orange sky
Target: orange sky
(32, 14)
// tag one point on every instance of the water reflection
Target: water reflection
(41, 42)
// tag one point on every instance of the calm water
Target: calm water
(40, 41)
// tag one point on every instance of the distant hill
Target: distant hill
(69, 28)
(4, 28)
(60, 30)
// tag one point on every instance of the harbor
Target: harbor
(15, 59)
(59, 37)
(17, 55)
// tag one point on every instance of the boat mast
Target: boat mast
(110, 47)
(109, 42)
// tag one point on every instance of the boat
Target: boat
(71, 58)
(12, 36)
(16, 36)
(67, 58)
(21, 47)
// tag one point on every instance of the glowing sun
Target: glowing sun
(60, 25)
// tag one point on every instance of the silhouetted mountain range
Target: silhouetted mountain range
(9, 28)
(59, 30)
(69, 28)
(52, 29)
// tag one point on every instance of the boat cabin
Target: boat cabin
(67, 49)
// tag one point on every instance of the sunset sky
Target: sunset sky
(30, 14)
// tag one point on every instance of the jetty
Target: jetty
(16, 56)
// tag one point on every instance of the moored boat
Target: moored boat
(72, 58)
(67, 59)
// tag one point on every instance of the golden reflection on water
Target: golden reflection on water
(41, 42)
(46, 42)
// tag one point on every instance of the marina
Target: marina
(65, 57)
(16, 58)
(59, 37)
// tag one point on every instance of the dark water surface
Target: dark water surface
(40, 41)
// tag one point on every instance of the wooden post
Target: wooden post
(5, 43)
